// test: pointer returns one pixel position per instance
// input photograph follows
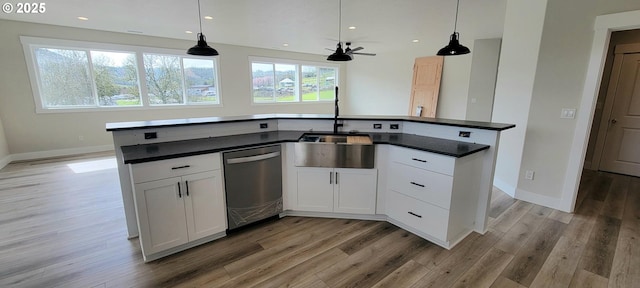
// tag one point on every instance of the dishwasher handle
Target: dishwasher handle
(253, 158)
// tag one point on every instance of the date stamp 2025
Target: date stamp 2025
(24, 8)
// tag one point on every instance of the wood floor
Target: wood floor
(59, 228)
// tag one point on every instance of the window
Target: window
(72, 76)
(275, 81)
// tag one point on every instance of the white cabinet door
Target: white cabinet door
(355, 191)
(315, 189)
(204, 203)
(161, 214)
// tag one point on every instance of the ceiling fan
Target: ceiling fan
(347, 52)
(353, 51)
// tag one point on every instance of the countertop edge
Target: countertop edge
(399, 143)
(119, 126)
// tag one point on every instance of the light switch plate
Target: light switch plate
(568, 113)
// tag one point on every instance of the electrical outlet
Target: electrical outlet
(264, 125)
(529, 174)
(465, 134)
(394, 126)
(150, 135)
(377, 126)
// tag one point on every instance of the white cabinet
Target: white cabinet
(336, 190)
(176, 211)
(433, 195)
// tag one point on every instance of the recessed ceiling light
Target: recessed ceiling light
(285, 44)
(83, 18)
(208, 17)
(352, 27)
(415, 40)
(188, 32)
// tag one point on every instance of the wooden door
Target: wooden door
(621, 152)
(425, 86)
(204, 204)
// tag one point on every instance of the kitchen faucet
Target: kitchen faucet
(337, 113)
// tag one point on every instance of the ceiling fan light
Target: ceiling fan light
(454, 47)
(202, 49)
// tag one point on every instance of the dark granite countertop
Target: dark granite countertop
(166, 150)
(210, 120)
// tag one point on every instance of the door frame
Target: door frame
(604, 25)
(609, 101)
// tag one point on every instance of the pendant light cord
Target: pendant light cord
(455, 24)
(200, 17)
(339, 22)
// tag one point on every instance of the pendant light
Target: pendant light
(202, 49)
(339, 55)
(454, 47)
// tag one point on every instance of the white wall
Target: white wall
(381, 85)
(27, 132)
(516, 74)
(545, 141)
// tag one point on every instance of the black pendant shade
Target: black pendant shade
(454, 47)
(202, 49)
(339, 55)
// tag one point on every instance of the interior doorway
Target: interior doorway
(615, 131)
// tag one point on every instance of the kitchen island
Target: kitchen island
(468, 144)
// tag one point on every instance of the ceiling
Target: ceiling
(306, 26)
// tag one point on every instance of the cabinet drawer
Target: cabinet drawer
(422, 216)
(423, 160)
(155, 170)
(424, 185)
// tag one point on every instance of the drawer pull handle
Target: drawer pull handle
(186, 183)
(414, 214)
(417, 184)
(180, 167)
(419, 160)
(179, 190)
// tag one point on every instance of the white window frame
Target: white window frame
(29, 44)
(298, 85)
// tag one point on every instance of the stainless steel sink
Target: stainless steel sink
(335, 151)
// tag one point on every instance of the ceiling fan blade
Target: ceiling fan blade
(357, 49)
(329, 49)
(366, 54)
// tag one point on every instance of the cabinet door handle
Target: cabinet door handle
(337, 178)
(417, 184)
(180, 167)
(179, 191)
(414, 214)
(186, 183)
(419, 160)
(330, 177)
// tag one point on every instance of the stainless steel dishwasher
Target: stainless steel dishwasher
(253, 183)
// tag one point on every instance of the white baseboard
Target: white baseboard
(538, 199)
(504, 187)
(57, 153)
(4, 161)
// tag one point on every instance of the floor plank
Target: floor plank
(530, 258)
(598, 255)
(586, 279)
